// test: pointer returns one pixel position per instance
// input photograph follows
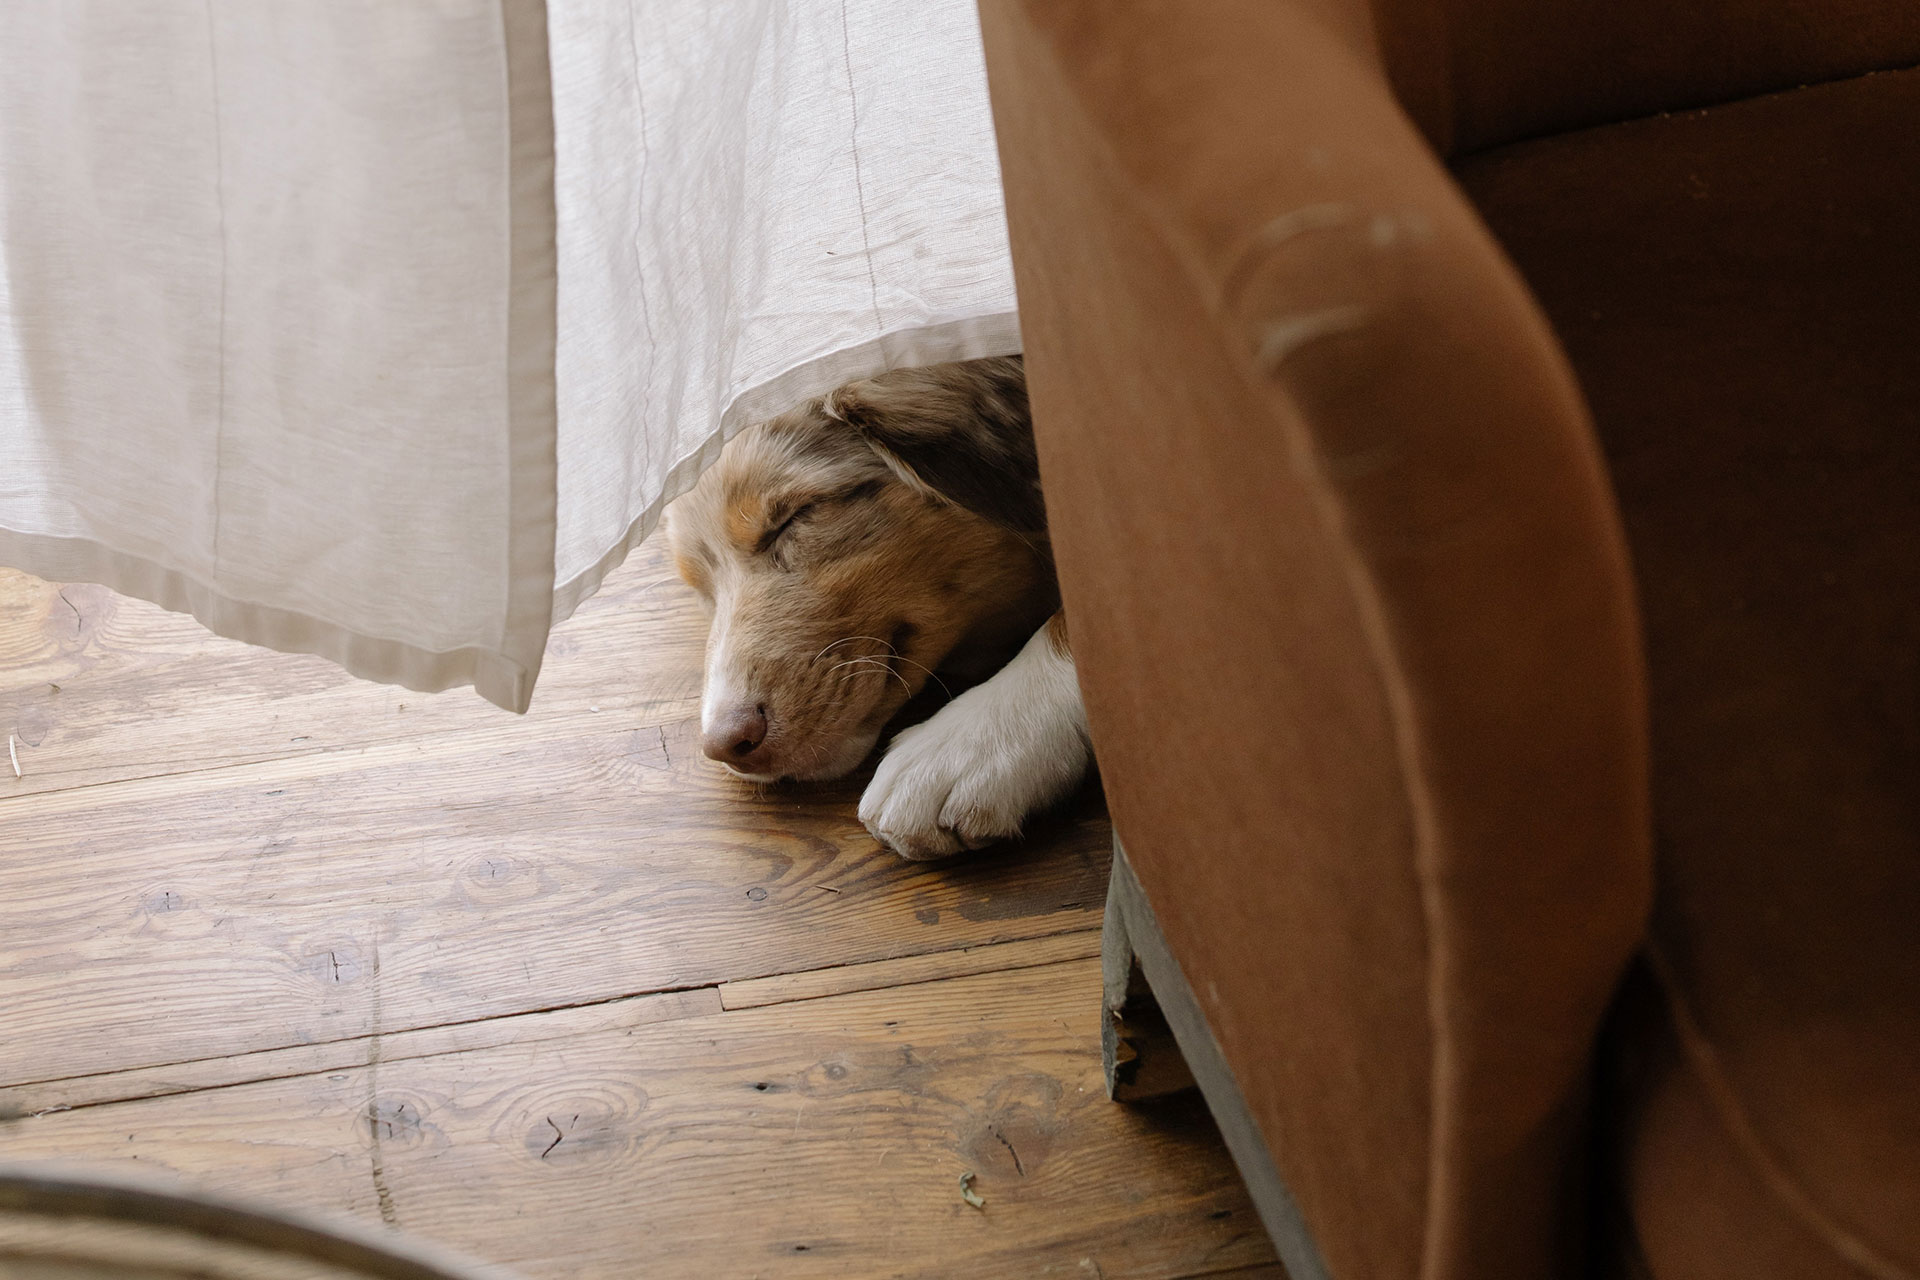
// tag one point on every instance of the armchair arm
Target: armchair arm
(1350, 604)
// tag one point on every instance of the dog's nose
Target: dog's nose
(735, 734)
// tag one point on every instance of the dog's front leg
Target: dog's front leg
(993, 756)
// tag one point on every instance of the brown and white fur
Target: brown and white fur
(852, 547)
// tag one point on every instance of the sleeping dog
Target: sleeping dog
(853, 547)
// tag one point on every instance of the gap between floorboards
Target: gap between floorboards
(73, 1093)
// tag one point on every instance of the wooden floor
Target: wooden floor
(550, 989)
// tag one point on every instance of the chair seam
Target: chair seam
(1453, 160)
(1723, 1100)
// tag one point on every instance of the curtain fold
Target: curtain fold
(759, 200)
(277, 325)
(347, 328)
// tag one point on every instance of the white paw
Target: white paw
(974, 772)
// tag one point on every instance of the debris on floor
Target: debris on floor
(967, 1192)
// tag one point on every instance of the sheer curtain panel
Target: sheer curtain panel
(383, 331)
(276, 322)
(759, 200)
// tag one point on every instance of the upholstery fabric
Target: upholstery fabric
(1354, 619)
(1479, 73)
(1350, 604)
(1737, 288)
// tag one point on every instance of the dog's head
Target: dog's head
(850, 547)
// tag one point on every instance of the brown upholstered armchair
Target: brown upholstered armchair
(1482, 445)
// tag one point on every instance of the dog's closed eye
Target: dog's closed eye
(773, 535)
(797, 517)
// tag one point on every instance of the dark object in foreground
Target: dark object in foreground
(99, 1228)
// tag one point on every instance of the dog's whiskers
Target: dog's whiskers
(815, 754)
(869, 662)
(898, 657)
(893, 654)
(847, 640)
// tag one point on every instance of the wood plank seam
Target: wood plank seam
(318, 1045)
(351, 1053)
(818, 983)
(377, 1049)
(328, 761)
(819, 1142)
(98, 1088)
(677, 711)
(601, 1016)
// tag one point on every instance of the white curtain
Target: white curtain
(341, 325)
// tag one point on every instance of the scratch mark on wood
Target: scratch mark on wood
(78, 620)
(381, 1191)
(1017, 1166)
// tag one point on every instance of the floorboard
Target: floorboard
(100, 688)
(823, 1138)
(552, 989)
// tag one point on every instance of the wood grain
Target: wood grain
(840, 979)
(407, 956)
(101, 688)
(822, 1138)
(249, 908)
(500, 868)
(611, 1017)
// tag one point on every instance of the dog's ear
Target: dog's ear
(961, 432)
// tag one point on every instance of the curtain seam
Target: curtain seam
(640, 202)
(859, 182)
(220, 203)
(532, 421)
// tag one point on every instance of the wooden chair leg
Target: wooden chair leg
(1157, 1042)
(1143, 1060)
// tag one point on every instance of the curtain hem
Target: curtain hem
(532, 340)
(496, 677)
(504, 672)
(971, 338)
